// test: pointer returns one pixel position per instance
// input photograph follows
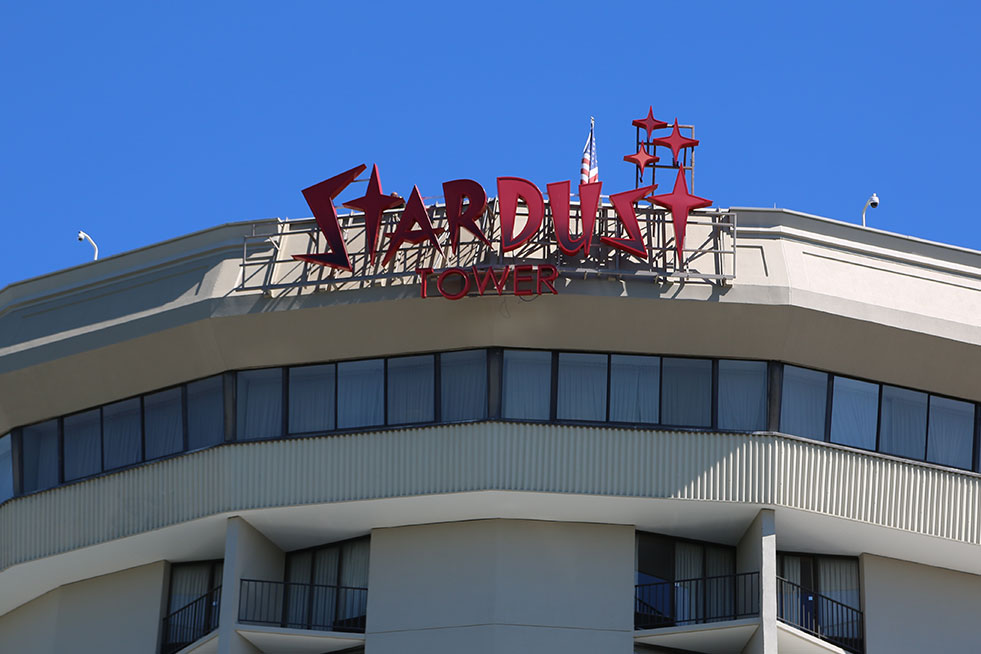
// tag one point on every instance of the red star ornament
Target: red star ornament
(642, 160)
(680, 203)
(676, 141)
(373, 203)
(650, 123)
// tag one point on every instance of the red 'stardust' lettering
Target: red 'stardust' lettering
(454, 192)
(551, 274)
(406, 232)
(522, 273)
(373, 203)
(509, 191)
(499, 282)
(320, 198)
(624, 205)
(558, 198)
(423, 274)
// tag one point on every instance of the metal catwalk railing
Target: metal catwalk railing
(697, 601)
(190, 622)
(303, 606)
(820, 616)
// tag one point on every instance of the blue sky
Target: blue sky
(140, 121)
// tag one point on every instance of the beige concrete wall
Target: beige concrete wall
(501, 586)
(118, 612)
(917, 608)
(757, 552)
(248, 555)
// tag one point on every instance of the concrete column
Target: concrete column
(501, 587)
(757, 552)
(248, 555)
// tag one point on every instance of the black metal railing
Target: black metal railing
(303, 606)
(190, 622)
(695, 601)
(821, 616)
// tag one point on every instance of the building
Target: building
(212, 446)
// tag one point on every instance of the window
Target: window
(742, 395)
(122, 438)
(163, 417)
(6, 469)
(804, 402)
(360, 393)
(635, 383)
(854, 409)
(903, 426)
(684, 582)
(312, 399)
(582, 387)
(83, 444)
(327, 586)
(192, 604)
(686, 392)
(463, 385)
(205, 412)
(259, 402)
(40, 458)
(411, 384)
(951, 432)
(527, 384)
(813, 591)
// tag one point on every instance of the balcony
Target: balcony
(191, 622)
(820, 616)
(303, 606)
(697, 601)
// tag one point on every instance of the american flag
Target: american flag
(590, 167)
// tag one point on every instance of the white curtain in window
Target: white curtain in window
(411, 385)
(803, 402)
(838, 581)
(259, 401)
(686, 392)
(189, 582)
(635, 384)
(121, 433)
(688, 586)
(324, 591)
(720, 591)
(40, 445)
(163, 421)
(311, 399)
(354, 575)
(790, 597)
(83, 444)
(527, 384)
(205, 412)
(854, 409)
(951, 439)
(6, 469)
(463, 385)
(582, 387)
(360, 393)
(300, 573)
(904, 422)
(742, 395)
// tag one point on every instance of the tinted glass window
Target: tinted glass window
(6, 469)
(259, 404)
(360, 393)
(463, 385)
(804, 401)
(122, 436)
(742, 395)
(951, 438)
(686, 392)
(635, 383)
(527, 385)
(904, 422)
(83, 444)
(582, 387)
(205, 412)
(40, 445)
(411, 387)
(163, 418)
(854, 409)
(312, 399)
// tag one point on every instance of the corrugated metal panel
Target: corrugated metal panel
(764, 469)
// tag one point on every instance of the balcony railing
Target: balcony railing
(303, 606)
(190, 622)
(696, 601)
(821, 616)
